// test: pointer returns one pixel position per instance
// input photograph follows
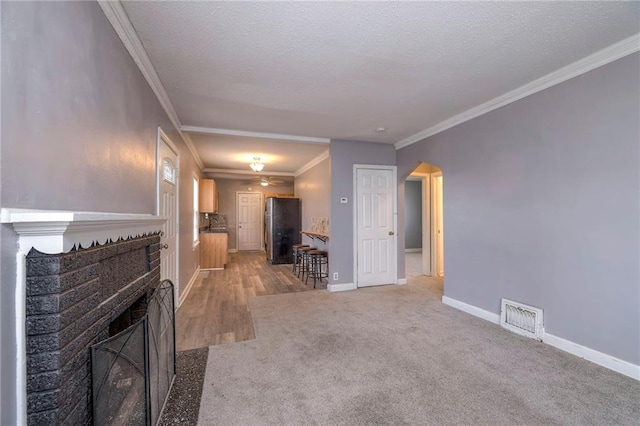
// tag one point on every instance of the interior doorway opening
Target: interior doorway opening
(424, 223)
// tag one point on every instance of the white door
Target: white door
(375, 226)
(438, 226)
(249, 213)
(168, 162)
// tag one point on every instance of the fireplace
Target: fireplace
(132, 370)
(79, 273)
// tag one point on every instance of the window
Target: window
(196, 213)
(168, 171)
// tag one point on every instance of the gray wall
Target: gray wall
(344, 154)
(227, 189)
(413, 214)
(313, 187)
(79, 127)
(541, 205)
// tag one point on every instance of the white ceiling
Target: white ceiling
(340, 70)
(236, 152)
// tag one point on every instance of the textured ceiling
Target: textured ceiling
(341, 69)
(236, 152)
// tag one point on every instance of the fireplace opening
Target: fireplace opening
(130, 316)
(133, 369)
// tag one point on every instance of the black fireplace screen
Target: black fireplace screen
(133, 370)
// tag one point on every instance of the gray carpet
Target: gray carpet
(397, 355)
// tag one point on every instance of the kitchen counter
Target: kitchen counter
(214, 231)
(213, 248)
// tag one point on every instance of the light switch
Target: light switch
(343, 200)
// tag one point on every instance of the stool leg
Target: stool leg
(309, 268)
(316, 270)
(295, 255)
(303, 265)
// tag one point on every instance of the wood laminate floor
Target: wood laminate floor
(216, 310)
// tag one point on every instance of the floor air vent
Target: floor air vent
(521, 319)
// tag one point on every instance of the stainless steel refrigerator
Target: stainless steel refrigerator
(282, 228)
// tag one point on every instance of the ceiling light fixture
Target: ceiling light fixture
(380, 129)
(257, 165)
(264, 182)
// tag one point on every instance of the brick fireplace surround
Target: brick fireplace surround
(77, 272)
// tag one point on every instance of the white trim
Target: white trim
(604, 360)
(192, 148)
(162, 138)
(401, 281)
(413, 250)
(21, 337)
(394, 196)
(434, 217)
(314, 162)
(232, 250)
(195, 212)
(229, 132)
(187, 289)
(248, 172)
(602, 57)
(341, 287)
(470, 309)
(119, 20)
(427, 266)
(56, 231)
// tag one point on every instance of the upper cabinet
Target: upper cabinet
(208, 196)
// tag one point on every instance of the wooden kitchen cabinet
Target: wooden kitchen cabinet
(213, 250)
(208, 196)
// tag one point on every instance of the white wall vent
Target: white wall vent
(521, 319)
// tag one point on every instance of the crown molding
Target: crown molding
(320, 158)
(228, 132)
(602, 57)
(192, 148)
(120, 22)
(248, 172)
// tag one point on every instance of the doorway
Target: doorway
(167, 189)
(249, 213)
(432, 201)
(375, 225)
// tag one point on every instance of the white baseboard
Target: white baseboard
(232, 251)
(187, 289)
(604, 360)
(402, 281)
(341, 287)
(470, 309)
(413, 250)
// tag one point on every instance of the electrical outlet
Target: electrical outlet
(335, 276)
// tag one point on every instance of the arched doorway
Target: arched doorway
(424, 224)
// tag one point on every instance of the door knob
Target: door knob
(391, 233)
(164, 246)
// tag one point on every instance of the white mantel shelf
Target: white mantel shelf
(57, 231)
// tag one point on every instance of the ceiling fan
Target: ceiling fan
(269, 181)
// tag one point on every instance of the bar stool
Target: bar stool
(303, 268)
(318, 259)
(296, 256)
